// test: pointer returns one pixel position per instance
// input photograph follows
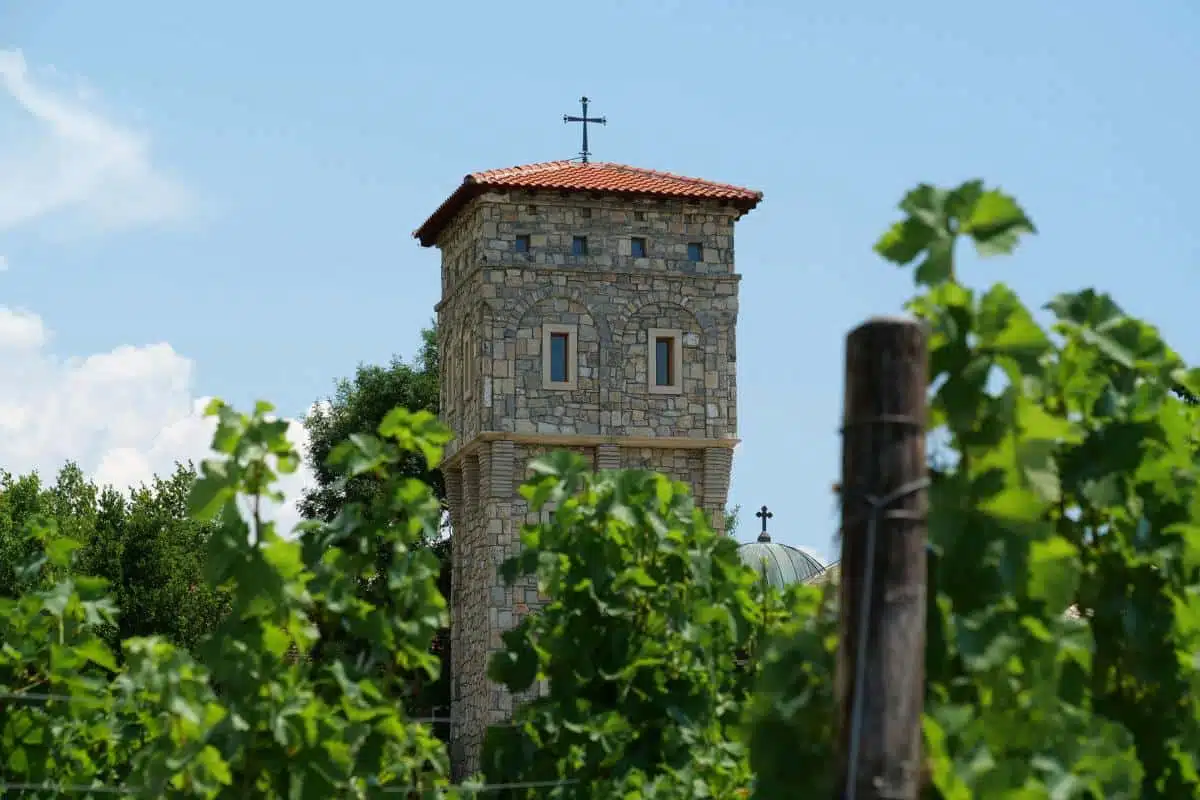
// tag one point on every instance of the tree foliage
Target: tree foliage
(358, 406)
(637, 646)
(144, 543)
(1063, 618)
(239, 718)
(1061, 658)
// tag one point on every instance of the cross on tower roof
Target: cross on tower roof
(585, 119)
(764, 515)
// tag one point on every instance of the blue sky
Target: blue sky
(217, 198)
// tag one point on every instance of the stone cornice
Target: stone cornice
(580, 440)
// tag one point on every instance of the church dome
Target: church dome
(783, 565)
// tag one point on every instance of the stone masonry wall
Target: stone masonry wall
(492, 310)
(490, 321)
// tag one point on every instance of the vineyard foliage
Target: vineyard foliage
(1063, 620)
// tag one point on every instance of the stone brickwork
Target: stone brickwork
(496, 398)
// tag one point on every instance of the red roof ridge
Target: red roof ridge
(521, 169)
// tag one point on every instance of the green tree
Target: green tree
(237, 718)
(144, 544)
(358, 407)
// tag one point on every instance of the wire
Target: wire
(470, 788)
(878, 505)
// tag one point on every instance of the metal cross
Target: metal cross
(764, 515)
(585, 119)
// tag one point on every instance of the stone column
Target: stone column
(471, 555)
(454, 498)
(503, 540)
(718, 467)
(608, 456)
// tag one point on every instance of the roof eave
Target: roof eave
(432, 228)
(471, 187)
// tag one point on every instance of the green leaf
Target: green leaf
(98, 653)
(59, 550)
(212, 491)
(904, 241)
(938, 264)
(996, 223)
(1054, 572)
(1006, 328)
(56, 599)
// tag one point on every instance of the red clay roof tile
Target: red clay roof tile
(574, 176)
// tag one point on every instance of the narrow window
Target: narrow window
(664, 361)
(695, 251)
(522, 243)
(664, 358)
(579, 246)
(639, 216)
(637, 247)
(559, 357)
(468, 364)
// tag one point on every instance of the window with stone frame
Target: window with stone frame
(453, 365)
(664, 361)
(637, 246)
(560, 354)
(468, 361)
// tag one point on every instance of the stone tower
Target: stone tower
(585, 306)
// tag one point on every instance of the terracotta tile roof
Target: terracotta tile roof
(574, 176)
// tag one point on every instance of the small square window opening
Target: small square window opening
(522, 244)
(579, 246)
(531, 209)
(695, 251)
(639, 216)
(586, 213)
(637, 247)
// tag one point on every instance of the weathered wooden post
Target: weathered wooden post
(881, 653)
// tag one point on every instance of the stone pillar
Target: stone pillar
(470, 555)
(608, 456)
(454, 498)
(503, 541)
(718, 468)
(488, 483)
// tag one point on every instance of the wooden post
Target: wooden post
(881, 653)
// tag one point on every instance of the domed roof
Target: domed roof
(782, 564)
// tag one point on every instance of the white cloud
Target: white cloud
(127, 414)
(123, 416)
(20, 330)
(74, 160)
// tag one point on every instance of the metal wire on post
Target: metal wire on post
(465, 789)
(880, 673)
(878, 506)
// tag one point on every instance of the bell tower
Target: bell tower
(585, 306)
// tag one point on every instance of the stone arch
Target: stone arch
(532, 407)
(510, 314)
(646, 414)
